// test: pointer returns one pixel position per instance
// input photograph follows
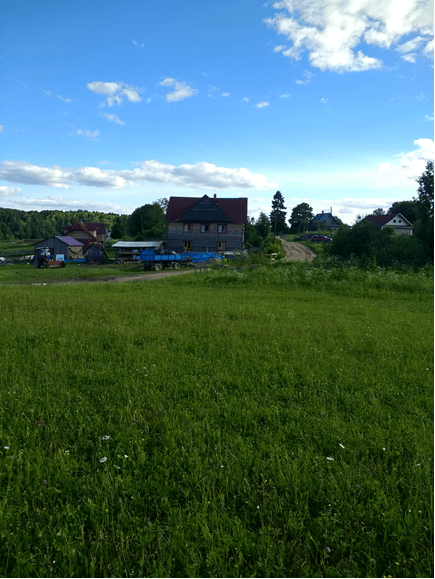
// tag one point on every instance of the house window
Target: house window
(221, 246)
(187, 228)
(187, 245)
(222, 228)
(205, 228)
(394, 221)
(400, 221)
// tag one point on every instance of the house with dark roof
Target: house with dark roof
(86, 233)
(204, 224)
(324, 221)
(396, 221)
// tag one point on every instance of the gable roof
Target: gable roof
(328, 217)
(99, 228)
(207, 209)
(382, 220)
(69, 240)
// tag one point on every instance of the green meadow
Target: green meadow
(273, 422)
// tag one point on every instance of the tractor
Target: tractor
(42, 258)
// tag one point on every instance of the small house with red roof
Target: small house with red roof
(205, 224)
(396, 221)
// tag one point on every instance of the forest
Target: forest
(17, 224)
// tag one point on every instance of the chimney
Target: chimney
(215, 198)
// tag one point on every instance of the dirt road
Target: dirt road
(297, 251)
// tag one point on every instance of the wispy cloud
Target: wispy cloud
(285, 96)
(8, 191)
(115, 92)
(245, 100)
(1, 128)
(88, 134)
(225, 94)
(333, 32)
(182, 90)
(199, 176)
(64, 99)
(113, 119)
(262, 104)
(307, 78)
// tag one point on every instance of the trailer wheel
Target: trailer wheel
(176, 265)
(157, 267)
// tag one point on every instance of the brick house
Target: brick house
(396, 221)
(204, 224)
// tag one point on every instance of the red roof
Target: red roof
(381, 220)
(236, 209)
(100, 228)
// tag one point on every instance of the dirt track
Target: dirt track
(297, 251)
(293, 251)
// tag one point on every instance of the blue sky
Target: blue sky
(108, 105)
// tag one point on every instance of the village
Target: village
(197, 230)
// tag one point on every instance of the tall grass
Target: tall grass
(254, 423)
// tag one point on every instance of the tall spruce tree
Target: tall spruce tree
(277, 215)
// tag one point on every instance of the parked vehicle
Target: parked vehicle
(43, 258)
(158, 260)
(320, 239)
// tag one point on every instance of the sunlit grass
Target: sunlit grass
(185, 427)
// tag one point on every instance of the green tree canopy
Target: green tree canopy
(147, 221)
(118, 229)
(277, 215)
(300, 217)
(425, 191)
(262, 225)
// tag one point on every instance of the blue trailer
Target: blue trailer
(159, 260)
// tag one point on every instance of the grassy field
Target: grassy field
(275, 422)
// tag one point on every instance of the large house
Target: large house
(204, 224)
(396, 221)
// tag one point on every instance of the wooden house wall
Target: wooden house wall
(57, 246)
(205, 242)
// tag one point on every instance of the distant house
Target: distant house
(396, 221)
(130, 250)
(324, 221)
(62, 247)
(82, 233)
(204, 224)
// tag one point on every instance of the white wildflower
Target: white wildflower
(105, 437)
(103, 459)
(329, 458)
(7, 447)
(341, 445)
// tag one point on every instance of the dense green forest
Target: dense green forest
(17, 224)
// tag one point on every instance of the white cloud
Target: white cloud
(198, 176)
(87, 134)
(225, 94)
(323, 101)
(409, 57)
(408, 166)
(428, 118)
(63, 99)
(182, 90)
(8, 191)
(428, 49)
(66, 204)
(332, 31)
(262, 105)
(113, 119)
(285, 96)
(411, 45)
(307, 78)
(245, 100)
(1, 128)
(115, 91)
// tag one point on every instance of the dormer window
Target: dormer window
(222, 228)
(205, 228)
